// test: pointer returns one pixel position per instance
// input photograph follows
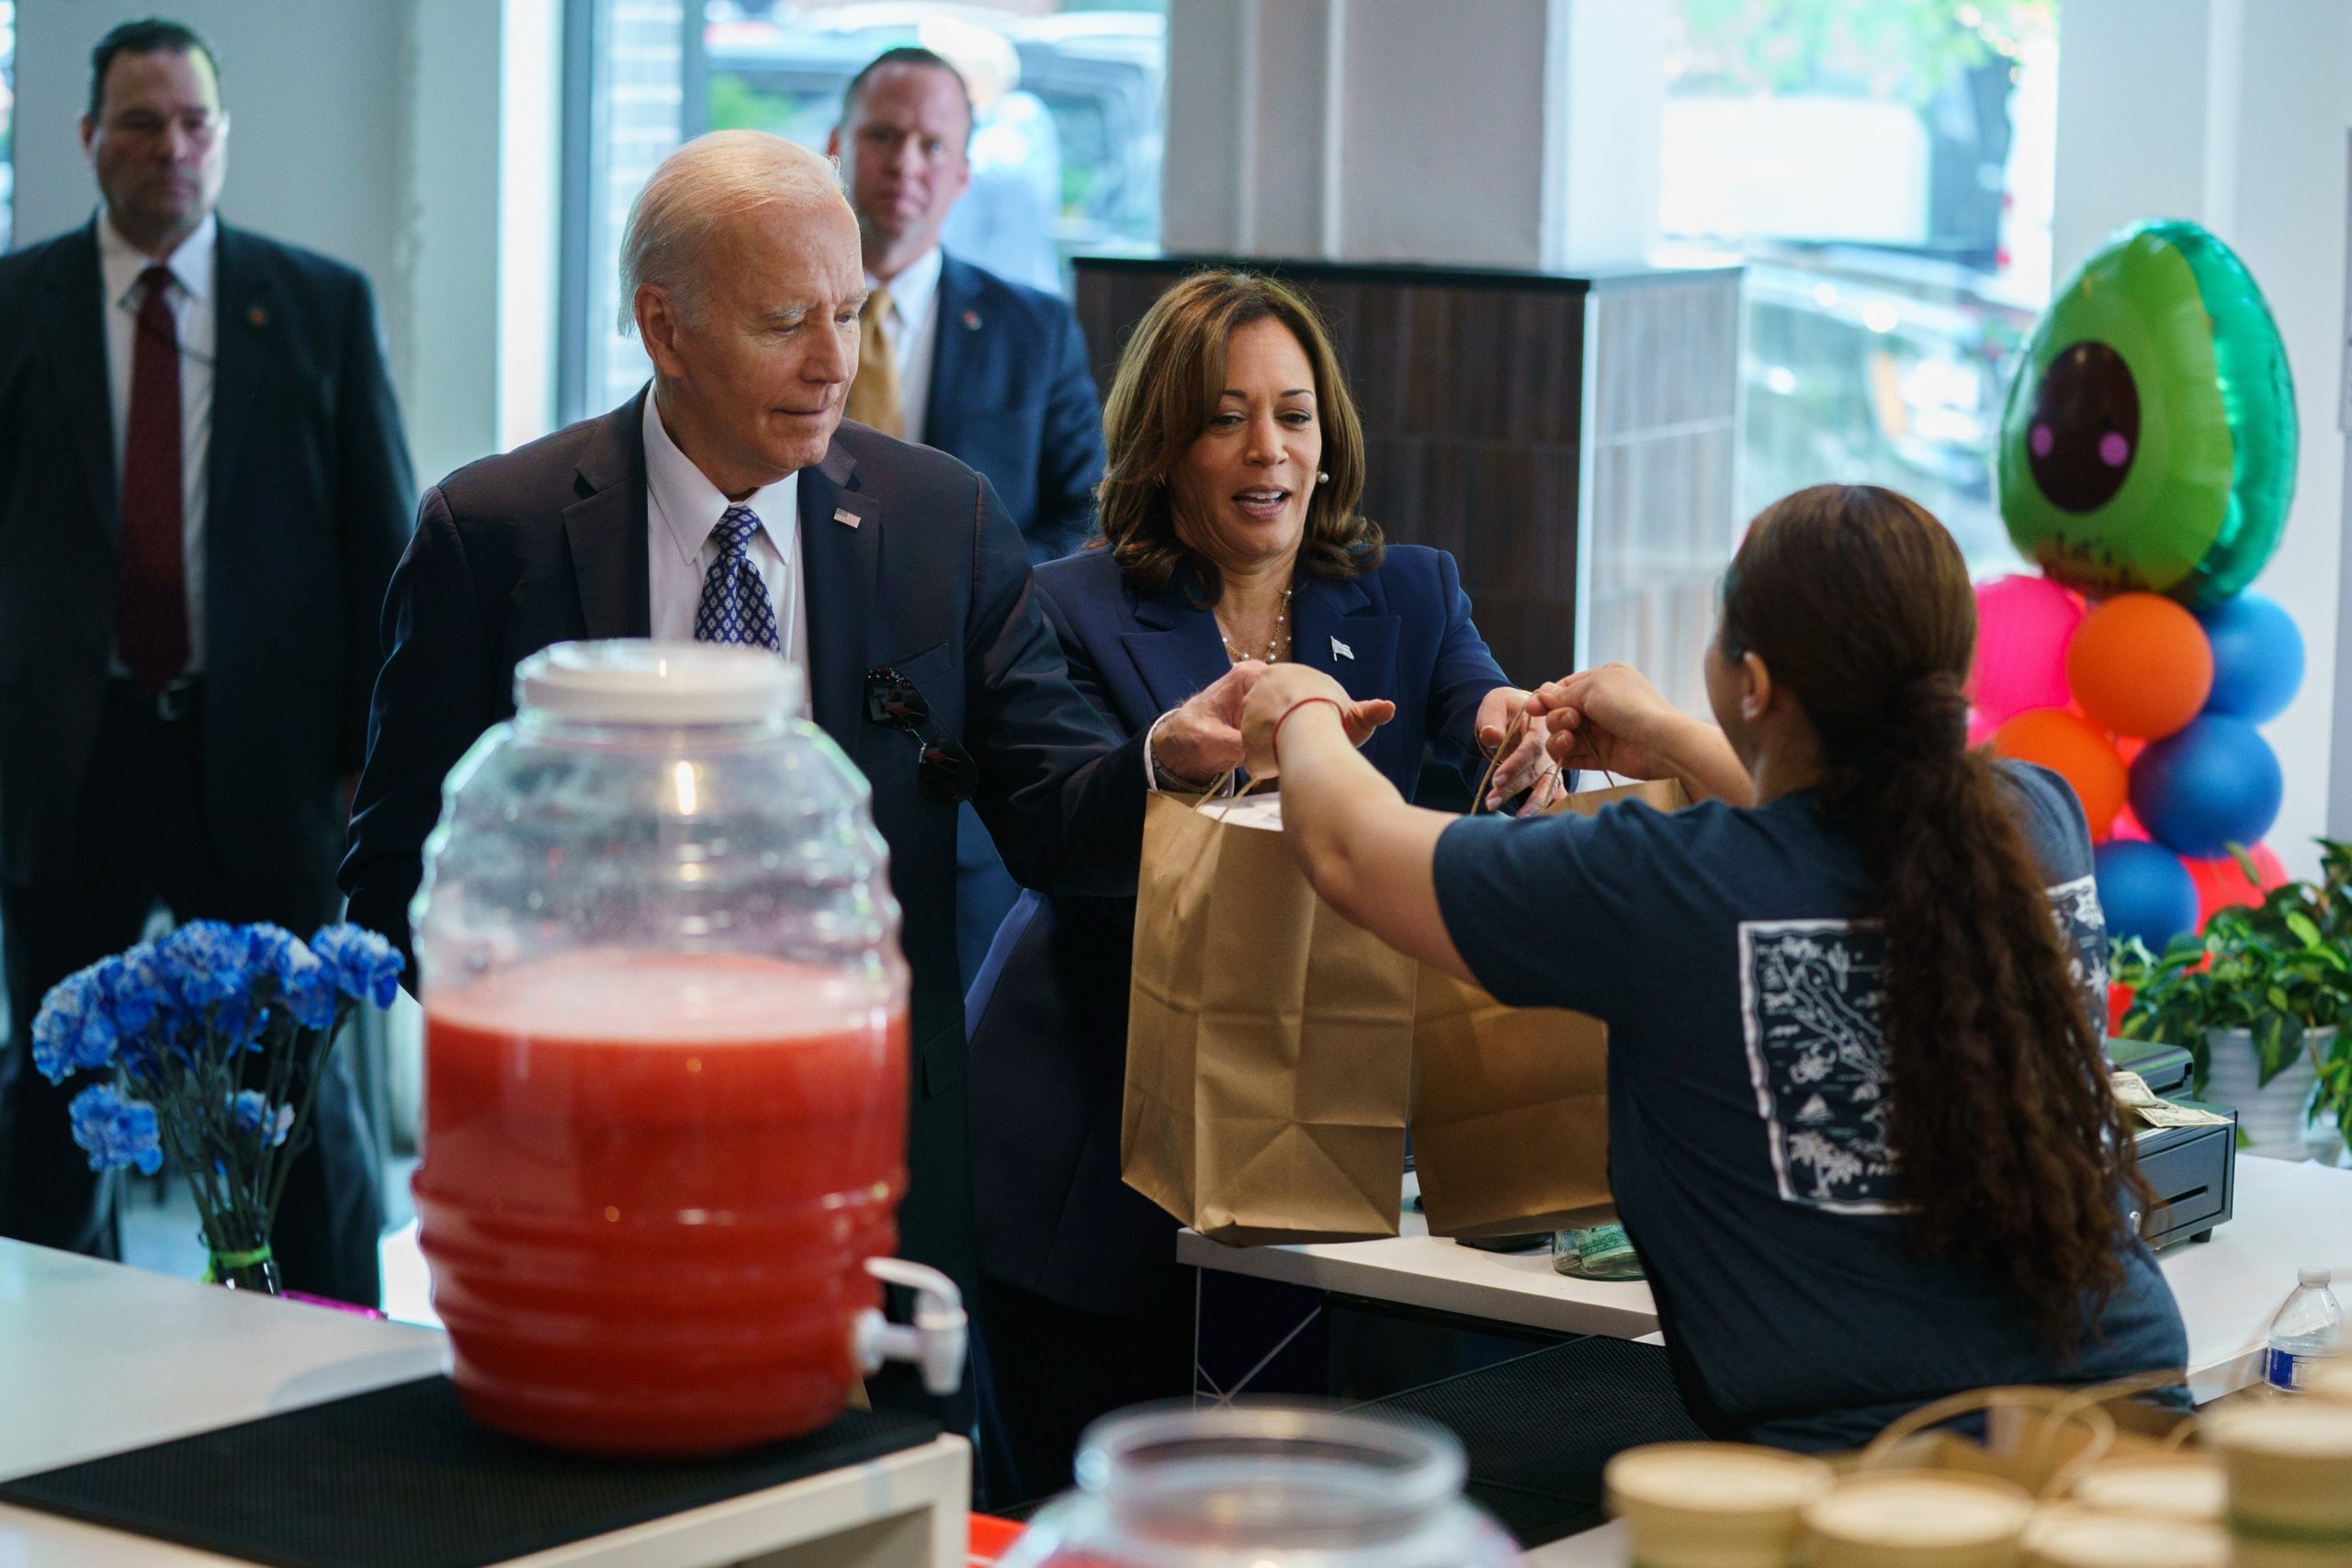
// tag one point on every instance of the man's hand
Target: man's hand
(1283, 688)
(1200, 742)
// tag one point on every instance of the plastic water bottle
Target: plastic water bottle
(2307, 1330)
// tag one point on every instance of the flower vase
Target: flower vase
(247, 1266)
(2273, 1118)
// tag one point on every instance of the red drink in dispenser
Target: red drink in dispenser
(651, 1184)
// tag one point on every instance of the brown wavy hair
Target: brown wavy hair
(1171, 376)
(2009, 1143)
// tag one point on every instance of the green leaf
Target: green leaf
(2302, 926)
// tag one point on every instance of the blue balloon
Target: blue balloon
(2146, 891)
(2258, 656)
(2212, 785)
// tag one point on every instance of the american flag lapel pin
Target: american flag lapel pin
(843, 514)
(1341, 650)
(257, 317)
(971, 320)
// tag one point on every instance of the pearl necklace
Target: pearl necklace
(1277, 645)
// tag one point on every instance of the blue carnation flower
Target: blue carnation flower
(251, 1113)
(118, 1133)
(74, 1030)
(208, 962)
(366, 966)
(135, 988)
(304, 985)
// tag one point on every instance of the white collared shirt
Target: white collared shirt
(912, 327)
(195, 318)
(682, 508)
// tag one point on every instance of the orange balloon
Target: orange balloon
(2077, 751)
(2140, 665)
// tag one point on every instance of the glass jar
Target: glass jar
(1257, 1486)
(665, 1105)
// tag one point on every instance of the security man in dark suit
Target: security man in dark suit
(731, 502)
(203, 489)
(955, 358)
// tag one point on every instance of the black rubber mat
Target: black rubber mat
(1538, 1429)
(402, 1478)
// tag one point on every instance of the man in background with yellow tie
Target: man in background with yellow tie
(955, 357)
(203, 487)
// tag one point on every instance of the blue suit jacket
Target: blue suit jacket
(1012, 395)
(548, 543)
(1048, 1013)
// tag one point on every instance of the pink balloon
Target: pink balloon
(1980, 727)
(2023, 624)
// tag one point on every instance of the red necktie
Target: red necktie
(151, 624)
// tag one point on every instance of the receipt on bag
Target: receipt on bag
(1248, 811)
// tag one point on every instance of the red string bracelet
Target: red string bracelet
(1274, 743)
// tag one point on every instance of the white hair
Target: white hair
(709, 178)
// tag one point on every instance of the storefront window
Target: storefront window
(7, 124)
(1065, 152)
(1884, 166)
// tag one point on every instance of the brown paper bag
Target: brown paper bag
(1269, 1043)
(1510, 1105)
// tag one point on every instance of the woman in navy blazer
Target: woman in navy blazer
(1229, 514)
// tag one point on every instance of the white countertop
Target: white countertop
(2286, 1215)
(98, 1358)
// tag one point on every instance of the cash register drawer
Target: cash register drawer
(2191, 1178)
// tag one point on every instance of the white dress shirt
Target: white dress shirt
(194, 317)
(683, 507)
(912, 327)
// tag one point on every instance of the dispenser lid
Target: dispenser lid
(638, 680)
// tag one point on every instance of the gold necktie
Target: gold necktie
(874, 396)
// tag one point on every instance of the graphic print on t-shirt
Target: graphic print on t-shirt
(1810, 998)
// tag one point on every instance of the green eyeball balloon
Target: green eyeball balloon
(2149, 440)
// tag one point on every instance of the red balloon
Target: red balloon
(2222, 882)
(2140, 665)
(2077, 752)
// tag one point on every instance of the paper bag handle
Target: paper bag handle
(2081, 1406)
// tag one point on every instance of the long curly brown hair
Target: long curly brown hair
(1170, 378)
(2010, 1143)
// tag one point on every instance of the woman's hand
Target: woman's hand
(1611, 718)
(1526, 767)
(1200, 742)
(1283, 688)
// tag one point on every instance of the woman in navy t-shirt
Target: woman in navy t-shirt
(1860, 1128)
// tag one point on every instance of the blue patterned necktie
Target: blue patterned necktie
(735, 603)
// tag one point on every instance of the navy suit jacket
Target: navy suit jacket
(308, 505)
(1048, 1011)
(547, 544)
(1012, 396)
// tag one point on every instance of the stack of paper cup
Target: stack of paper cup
(2289, 1467)
(1919, 1519)
(1713, 1505)
(2184, 1486)
(2068, 1535)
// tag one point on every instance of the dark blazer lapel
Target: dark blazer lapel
(953, 344)
(606, 528)
(1336, 628)
(1176, 648)
(246, 333)
(837, 570)
(74, 339)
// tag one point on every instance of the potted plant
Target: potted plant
(2258, 998)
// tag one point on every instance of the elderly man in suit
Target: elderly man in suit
(203, 489)
(955, 358)
(731, 500)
